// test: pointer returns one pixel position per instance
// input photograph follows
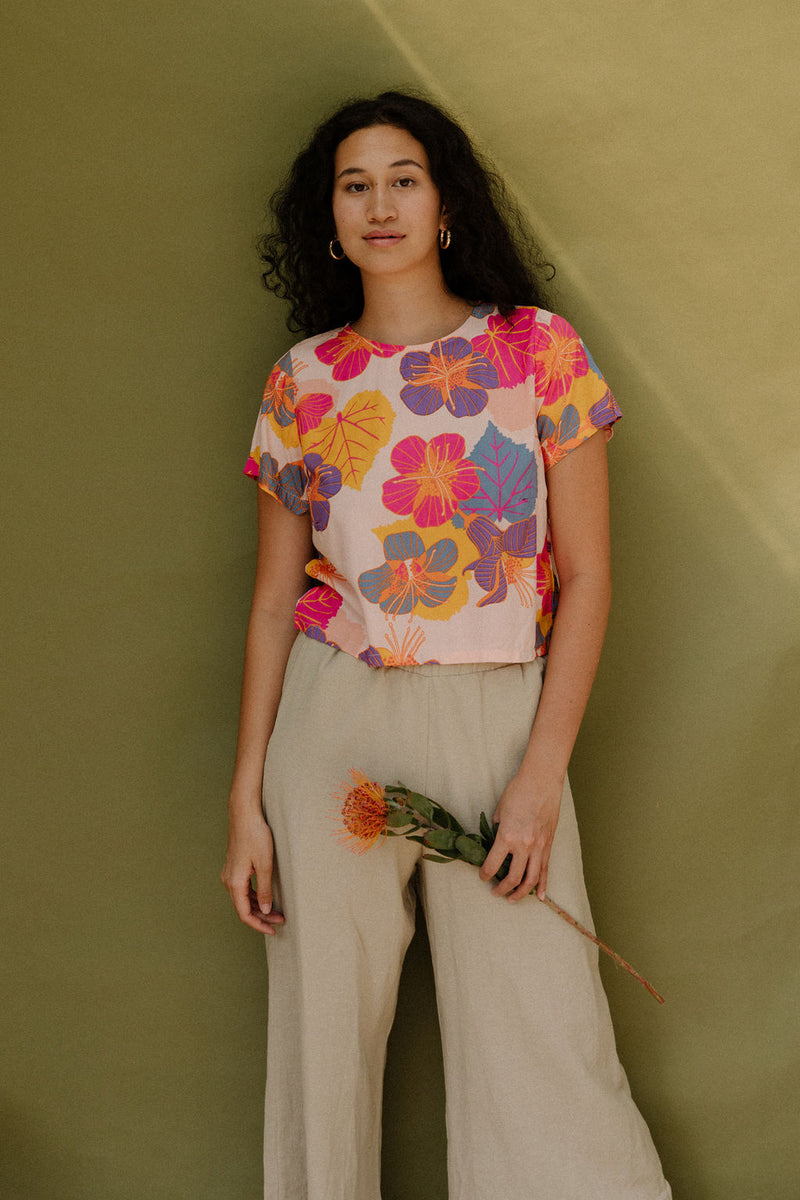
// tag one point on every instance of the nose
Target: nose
(381, 204)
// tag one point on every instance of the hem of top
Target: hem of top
(482, 664)
(608, 430)
(271, 492)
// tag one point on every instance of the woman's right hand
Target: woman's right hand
(250, 853)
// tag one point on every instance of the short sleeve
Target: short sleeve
(574, 398)
(276, 456)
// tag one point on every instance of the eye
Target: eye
(356, 187)
(405, 182)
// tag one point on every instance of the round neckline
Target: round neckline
(421, 345)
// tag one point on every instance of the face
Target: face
(386, 208)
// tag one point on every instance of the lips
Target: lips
(383, 239)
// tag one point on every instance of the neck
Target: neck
(409, 312)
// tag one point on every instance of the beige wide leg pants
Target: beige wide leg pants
(538, 1106)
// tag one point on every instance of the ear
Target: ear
(444, 218)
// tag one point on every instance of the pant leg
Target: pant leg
(538, 1105)
(334, 967)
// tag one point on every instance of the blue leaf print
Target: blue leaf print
(545, 428)
(568, 424)
(507, 472)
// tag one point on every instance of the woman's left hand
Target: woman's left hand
(527, 815)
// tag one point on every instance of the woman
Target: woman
(427, 456)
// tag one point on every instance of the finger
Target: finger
(262, 924)
(273, 917)
(528, 881)
(239, 892)
(493, 861)
(514, 876)
(246, 906)
(541, 887)
(264, 892)
(256, 909)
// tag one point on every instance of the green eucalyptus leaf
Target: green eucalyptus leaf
(415, 837)
(470, 849)
(486, 831)
(440, 839)
(421, 804)
(437, 858)
(396, 820)
(447, 820)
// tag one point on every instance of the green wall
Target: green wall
(653, 147)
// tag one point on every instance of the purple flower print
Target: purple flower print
(324, 481)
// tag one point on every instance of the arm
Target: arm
(528, 809)
(284, 548)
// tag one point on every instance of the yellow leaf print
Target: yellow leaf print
(350, 439)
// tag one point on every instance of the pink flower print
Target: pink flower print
(507, 344)
(348, 353)
(279, 393)
(452, 373)
(433, 478)
(545, 579)
(506, 557)
(560, 357)
(411, 574)
(310, 409)
(324, 481)
(251, 466)
(316, 608)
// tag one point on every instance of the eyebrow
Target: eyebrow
(401, 162)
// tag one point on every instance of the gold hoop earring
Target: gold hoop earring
(444, 238)
(335, 242)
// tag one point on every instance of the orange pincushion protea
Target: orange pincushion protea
(364, 812)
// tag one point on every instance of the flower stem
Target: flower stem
(612, 953)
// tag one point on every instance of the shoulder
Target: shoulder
(531, 316)
(306, 351)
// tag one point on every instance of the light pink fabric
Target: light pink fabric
(423, 471)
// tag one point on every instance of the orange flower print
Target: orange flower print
(324, 570)
(402, 652)
(279, 393)
(559, 357)
(433, 478)
(348, 353)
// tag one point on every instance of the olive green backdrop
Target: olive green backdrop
(655, 147)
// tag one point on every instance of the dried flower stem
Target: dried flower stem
(612, 953)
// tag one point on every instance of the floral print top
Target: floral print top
(423, 471)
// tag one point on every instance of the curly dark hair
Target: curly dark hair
(493, 257)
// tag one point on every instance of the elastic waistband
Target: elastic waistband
(468, 668)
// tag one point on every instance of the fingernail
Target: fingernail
(265, 907)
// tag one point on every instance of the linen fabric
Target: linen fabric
(423, 470)
(538, 1106)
